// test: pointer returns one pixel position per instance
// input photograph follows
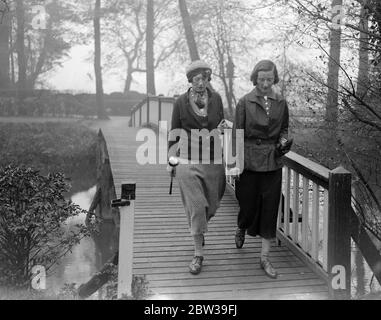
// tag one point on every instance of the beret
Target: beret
(195, 67)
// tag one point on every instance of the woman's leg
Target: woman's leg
(196, 206)
(266, 245)
(247, 196)
(197, 240)
(264, 261)
(270, 184)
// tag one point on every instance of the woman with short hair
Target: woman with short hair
(202, 183)
(263, 114)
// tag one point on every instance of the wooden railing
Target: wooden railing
(316, 220)
(152, 110)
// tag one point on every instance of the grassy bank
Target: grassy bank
(68, 147)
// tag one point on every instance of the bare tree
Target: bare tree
(97, 61)
(150, 56)
(192, 46)
(363, 70)
(20, 48)
(334, 66)
(127, 39)
(5, 30)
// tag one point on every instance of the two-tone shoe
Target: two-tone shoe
(196, 265)
(268, 268)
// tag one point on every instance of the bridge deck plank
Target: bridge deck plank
(163, 247)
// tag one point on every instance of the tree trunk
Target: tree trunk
(97, 62)
(230, 75)
(38, 68)
(188, 31)
(333, 68)
(20, 48)
(127, 83)
(363, 71)
(11, 53)
(4, 52)
(150, 58)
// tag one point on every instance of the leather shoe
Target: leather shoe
(196, 264)
(239, 237)
(268, 268)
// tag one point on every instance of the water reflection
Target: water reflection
(87, 257)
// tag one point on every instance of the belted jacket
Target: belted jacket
(264, 122)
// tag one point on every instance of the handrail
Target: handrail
(151, 110)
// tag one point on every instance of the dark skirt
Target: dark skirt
(258, 195)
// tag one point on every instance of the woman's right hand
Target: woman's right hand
(173, 162)
(234, 172)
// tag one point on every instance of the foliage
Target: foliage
(46, 36)
(33, 214)
(354, 140)
(47, 146)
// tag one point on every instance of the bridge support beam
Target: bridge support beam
(126, 238)
(339, 235)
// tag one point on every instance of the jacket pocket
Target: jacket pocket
(256, 157)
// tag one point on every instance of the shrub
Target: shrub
(33, 213)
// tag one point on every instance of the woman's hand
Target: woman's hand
(222, 126)
(283, 147)
(173, 162)
(234, 172)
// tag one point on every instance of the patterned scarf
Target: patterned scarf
(200, 98)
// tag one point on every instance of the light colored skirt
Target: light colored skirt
(202, 187)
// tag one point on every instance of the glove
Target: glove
(173, 162)
(283, 147)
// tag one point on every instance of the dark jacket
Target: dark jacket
(262, 131)
(184, 117)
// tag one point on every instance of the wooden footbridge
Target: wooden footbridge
(312, 255)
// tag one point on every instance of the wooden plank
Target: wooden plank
(307, 260)
(209, 270)
(302, 293)
(232, 281)
(307, 168)
(229, 273)
(228, 287)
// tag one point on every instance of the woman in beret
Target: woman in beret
(263, 114)
(200, 172)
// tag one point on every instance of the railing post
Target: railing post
(148, 105)
(140, 116)
(339, 237)
(159, 112)
(126, 237)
